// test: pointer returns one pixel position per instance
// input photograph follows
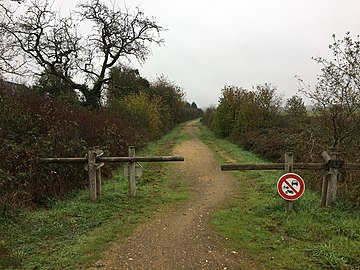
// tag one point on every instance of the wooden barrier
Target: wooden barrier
(281, 166)
(94, 161)
(332, 163)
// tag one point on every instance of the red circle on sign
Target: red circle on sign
(290, 186)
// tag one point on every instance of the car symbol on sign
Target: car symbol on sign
(294, 183)
(288, 190)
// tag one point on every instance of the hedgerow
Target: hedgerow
(259, 126)
(34, 126)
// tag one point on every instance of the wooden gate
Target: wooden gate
(94, 161)
(332, 163)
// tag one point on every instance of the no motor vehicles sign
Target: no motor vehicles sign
(290, 186)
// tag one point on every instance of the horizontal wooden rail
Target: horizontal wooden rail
(351, 166)
(64, 160)
(140, 159)
(272, 166)
(113, 159)
(281, 166)
(94, 161)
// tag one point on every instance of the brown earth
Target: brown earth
(181, 238)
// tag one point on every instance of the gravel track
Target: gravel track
(180, 237)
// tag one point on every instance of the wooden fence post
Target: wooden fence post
(132, 173)
(289, 161)
(95, 161)
(91, 155)
(324, 189)
(332, 186)
(329, 187)
(98, 182)
(98, 153)
(326, 178)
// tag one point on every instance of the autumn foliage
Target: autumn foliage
(259, 121)
(33, 126)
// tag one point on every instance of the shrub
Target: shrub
(242, 117)
(32, 126)
(145, 110)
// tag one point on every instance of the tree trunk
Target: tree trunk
(92, 100)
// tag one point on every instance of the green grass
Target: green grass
(255, 220)
(74, 233)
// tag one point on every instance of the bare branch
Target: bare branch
(43, 37)
(337, 92)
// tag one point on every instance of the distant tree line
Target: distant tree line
(260, 121)
(257, 120)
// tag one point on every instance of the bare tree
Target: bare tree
(7, 53)
(5, 7)
(53, 43)
(337, 92)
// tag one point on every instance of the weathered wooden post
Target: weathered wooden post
(132, 173)
(289, 166)
(91, 167)
(98, 153)
(94, 155)
(98, 182)
(329, 187)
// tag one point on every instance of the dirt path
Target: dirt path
(181, 238)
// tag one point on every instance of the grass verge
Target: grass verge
(74, 233)
(255, 220)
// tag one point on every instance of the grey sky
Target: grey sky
(211, 43)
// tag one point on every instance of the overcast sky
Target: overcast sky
(212, 43)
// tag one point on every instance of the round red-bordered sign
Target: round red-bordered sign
(290, 186)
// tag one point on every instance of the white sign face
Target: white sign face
(290, 186)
